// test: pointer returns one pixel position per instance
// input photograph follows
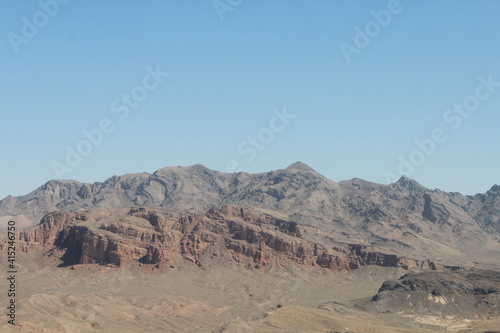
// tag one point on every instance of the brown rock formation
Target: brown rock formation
(246, 236)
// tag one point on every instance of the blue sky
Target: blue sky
(229, 78)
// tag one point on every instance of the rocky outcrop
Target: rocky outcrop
(47, 232)
(389, 260)
(86, 246)
(485, 209)
(247, 236)
(460, 293)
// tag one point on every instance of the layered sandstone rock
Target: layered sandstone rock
(234, 233)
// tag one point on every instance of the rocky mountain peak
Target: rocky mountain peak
(495, 189)
(300, 166)
(408, 184)
(405, 180)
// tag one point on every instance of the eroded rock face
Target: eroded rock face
(234, 233)
(485, 208)
(87, 246)
(388, 260)
(464, 293)
(48, 230)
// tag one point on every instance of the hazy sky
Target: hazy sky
(344, 86)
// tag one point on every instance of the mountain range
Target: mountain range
(189, 249)
(403, 217)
